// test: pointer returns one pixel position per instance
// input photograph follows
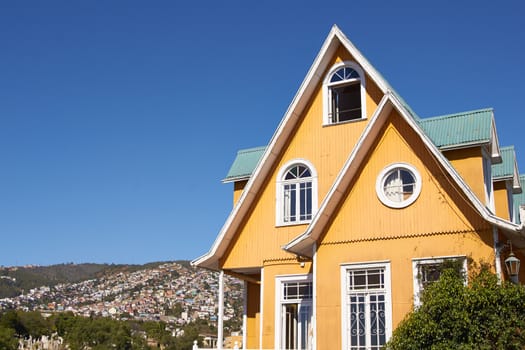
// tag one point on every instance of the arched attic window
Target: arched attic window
(344, 93)
(296, 193)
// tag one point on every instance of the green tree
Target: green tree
(34, 324)
(8, 341)
(484, 314)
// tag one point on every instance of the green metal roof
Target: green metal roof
(458, 129)
(519, 201)
(505, 169)
(244, 164)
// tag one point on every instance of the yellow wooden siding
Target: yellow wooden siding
(399, 254)
(468, 162)
(327, 148)
(272, 270)
(253, 314)
(439, 208)
(238, 187)
(501, 199)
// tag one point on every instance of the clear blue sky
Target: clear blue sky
(118, 119)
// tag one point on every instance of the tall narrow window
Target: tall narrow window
(296, 194)
(367, 311)
(344, 93)
(295, 313)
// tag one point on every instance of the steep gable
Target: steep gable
(302, 245)
(507, 170)
(335, 42)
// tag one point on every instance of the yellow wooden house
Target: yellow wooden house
(341, 220)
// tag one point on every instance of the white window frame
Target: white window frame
(387, 290)
(385, 173)
(279, 200)
(416, 262)
(280, 281)
(327, 98)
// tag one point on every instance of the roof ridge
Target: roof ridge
(459, 114)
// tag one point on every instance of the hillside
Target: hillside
(173, 292)
(15, 281)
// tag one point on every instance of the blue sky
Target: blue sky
(118, 119)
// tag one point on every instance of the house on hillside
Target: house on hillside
(344, 217)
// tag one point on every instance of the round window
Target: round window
(398, 185)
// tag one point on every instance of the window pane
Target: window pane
(366, 308)
(338, 76)
(374, 279)
(293, 202)
(399, 185)
(304, 172)
(305, 290)
(289, 203)
(377, 321)
(346, 102)
(292, 173)
(297, 290)
(357, 322)
(305, 200)
(344, 73)
(305, 314)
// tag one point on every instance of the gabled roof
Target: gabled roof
(244, 164)
(507, 169)
(303, 244)
(334, 40)
(459, 129)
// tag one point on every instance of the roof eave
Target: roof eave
(236, 179)
(463, 145)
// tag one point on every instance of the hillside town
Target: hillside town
(172, 292)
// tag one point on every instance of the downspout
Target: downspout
(220, 321)
(261, 303)
(497, 251)
(314, 296)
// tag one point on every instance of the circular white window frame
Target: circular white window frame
(385, 173)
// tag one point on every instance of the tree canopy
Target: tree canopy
(96, 333)
(483, 314)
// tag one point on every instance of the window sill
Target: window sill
(295, 223)
(345, 122)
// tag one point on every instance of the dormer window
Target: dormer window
(296, 193)
(344, 94)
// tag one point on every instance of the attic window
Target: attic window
(398, 185)
(344, 94)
